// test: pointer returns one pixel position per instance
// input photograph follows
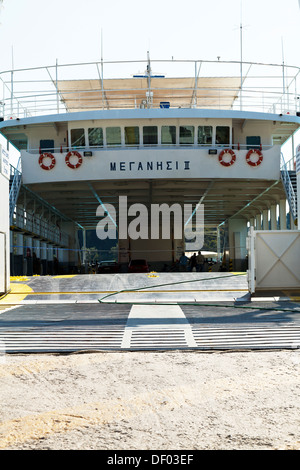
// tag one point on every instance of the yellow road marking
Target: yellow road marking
(26, 278)
(131, 292)
(19, 290)
(18, 293)
(293, 296)
(65, 276)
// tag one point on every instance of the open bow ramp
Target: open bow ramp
(185, 311)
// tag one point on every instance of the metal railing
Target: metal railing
(16, 181)
(90, 148)
(288, 186)
(37, 226)
(25, 219)
(36, 91)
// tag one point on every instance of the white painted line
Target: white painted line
(6, 309)
(126, 338)
(161, 317)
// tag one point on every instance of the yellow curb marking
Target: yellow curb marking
(17, 294)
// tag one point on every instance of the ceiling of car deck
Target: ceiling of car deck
(222, 199)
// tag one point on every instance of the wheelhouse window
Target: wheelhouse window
(20, 141)
(113, 135)
(223, 135)
(253, 142)
(168, 135)
(150, 135)
(205, 135)
(186, 135)
(132, 135)
(95, 136)
(47, 145)
(77, 138)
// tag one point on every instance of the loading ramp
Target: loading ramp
(51, 315)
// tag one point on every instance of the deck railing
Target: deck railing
(287, 168)
(15, 184)
(90, 148)
(36, 226)
(272, 88)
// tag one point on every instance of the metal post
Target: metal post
(84, 254)
(273, 217)
(282, 214)
(56, 83)
(283, 76)
(12, 93)
(3, 102)
(241, 67)
(196, 85)
(102, 86)
(241, 64)
(194, 97)
(251, 260)
(149, 81)
(298, 183)
(258, 221)
(218, 245)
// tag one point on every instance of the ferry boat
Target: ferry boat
(207, 133)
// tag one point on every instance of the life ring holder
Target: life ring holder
(251, 152)
(233, 157)
(71, 154)
(41, 161)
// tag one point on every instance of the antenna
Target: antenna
(102, 86)
(149, 100)
(241, 50)
(101, 45)
(283, 71)
(12, 82)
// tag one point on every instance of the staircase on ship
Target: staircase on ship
(289, 181)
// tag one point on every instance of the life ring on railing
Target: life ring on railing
(73, 153)
(258, 161)
(233, 157)
(41, 161)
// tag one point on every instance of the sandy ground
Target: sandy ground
(151, 400)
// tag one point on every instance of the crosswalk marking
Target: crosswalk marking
(248, 337)
(166, 318)
(205, 338)
(153, 327)
(61, 340)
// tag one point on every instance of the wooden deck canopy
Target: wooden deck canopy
(128, 93)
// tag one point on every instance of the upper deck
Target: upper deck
(152, 127)
(188, 84)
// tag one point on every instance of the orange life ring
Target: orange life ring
(76, 154)
(41, 161)
(251, 152)
(233, 157)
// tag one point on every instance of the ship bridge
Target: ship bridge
(152, 139)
